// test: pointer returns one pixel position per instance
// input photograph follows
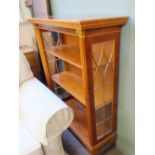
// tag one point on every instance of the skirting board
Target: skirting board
(123, 148)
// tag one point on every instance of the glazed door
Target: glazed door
(104, 51)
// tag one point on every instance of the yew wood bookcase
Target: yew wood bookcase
(89, 50)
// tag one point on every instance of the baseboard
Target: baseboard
(123, 148)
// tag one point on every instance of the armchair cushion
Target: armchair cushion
(25, 72)
(44, 113)
(28, 144)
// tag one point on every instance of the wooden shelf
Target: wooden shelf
(67, 53)
(73, 85)
(79, 125)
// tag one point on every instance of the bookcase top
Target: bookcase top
(80, 22)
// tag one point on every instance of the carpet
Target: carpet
(74, 147)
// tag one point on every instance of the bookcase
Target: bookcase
(89, 53)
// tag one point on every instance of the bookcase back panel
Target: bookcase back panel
(70, 40)
(73, 69)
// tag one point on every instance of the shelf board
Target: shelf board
(73, 85)
(67, 53)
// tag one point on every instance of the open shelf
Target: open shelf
(67, 53)
(79, 125)
(73, 85)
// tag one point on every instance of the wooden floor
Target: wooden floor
(73, 147)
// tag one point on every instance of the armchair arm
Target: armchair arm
(43, 112)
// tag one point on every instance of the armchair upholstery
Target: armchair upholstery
(44, 115)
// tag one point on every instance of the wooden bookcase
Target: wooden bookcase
(89, 50)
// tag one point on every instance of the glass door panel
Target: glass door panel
(102, 68)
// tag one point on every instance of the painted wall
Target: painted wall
(27, 42)
(24, 11)
(26, 37)
(126, 99)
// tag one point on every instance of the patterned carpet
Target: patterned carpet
(73, 147)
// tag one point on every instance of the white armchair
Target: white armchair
(43, 116)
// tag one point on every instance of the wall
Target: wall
(26, 37)
(26, 32)
(126, 105)
(24, 12)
